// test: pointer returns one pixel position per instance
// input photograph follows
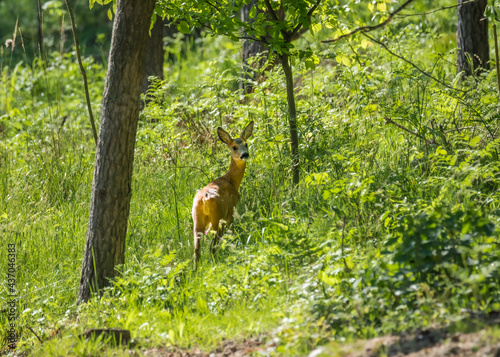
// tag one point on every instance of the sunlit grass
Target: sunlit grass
(303, 266)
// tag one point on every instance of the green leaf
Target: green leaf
(279, 224)
(329, 280)
(475, 140)
(382, 7)
(110, 14)
(310, 64)
(365, 43)
(341, 59)
(252, 12)
(202, 305)
(183, 27)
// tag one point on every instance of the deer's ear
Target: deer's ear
(247, 132)
(224, 136)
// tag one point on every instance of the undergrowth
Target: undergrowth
(386, 232)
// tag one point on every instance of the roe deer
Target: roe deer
(213, 205)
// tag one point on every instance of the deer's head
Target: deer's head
(238, 146)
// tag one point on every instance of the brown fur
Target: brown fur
(213, 206)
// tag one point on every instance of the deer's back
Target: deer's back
(216, 200)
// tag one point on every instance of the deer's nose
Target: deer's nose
(245, 155)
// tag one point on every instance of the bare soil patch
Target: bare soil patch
(230, 348)
(427, 343)
(432, 342)
(484, 341)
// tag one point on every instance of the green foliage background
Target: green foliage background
(20, 24)
(385, 233)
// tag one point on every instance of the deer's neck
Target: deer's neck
(236, 172)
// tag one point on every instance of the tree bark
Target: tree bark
(292, 120)
(111, 189)
(251, 49)
(155, 54)
(472, 37)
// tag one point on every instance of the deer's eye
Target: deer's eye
(235, 148)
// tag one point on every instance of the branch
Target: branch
(390, 121)
(34, 333)
(284, 33)
(402, 16)
(212, 5)
(82, 70)
(271, 11)
(299, 25)
(250, 38)
(459, 129)
(312, 9)
(197, 168)
(413, 65)
(364, 29)
(225, 33)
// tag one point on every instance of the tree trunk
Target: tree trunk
(251, 49)
(155, 53)
(40, 30)
(292, 112)
(472, 37)
(111, 189)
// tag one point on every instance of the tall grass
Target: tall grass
(303, 265)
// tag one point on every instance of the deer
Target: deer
(213, 205)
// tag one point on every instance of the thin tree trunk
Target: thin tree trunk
(292, 112)
(111, 189)
(495, 39)
(82, 70)
(155, 54)
(251, 49)
(472, 37)
(40, 29)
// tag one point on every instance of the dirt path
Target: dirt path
(425, 343)
(243, 348)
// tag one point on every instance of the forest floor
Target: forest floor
(431, 342)
(427, 343)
